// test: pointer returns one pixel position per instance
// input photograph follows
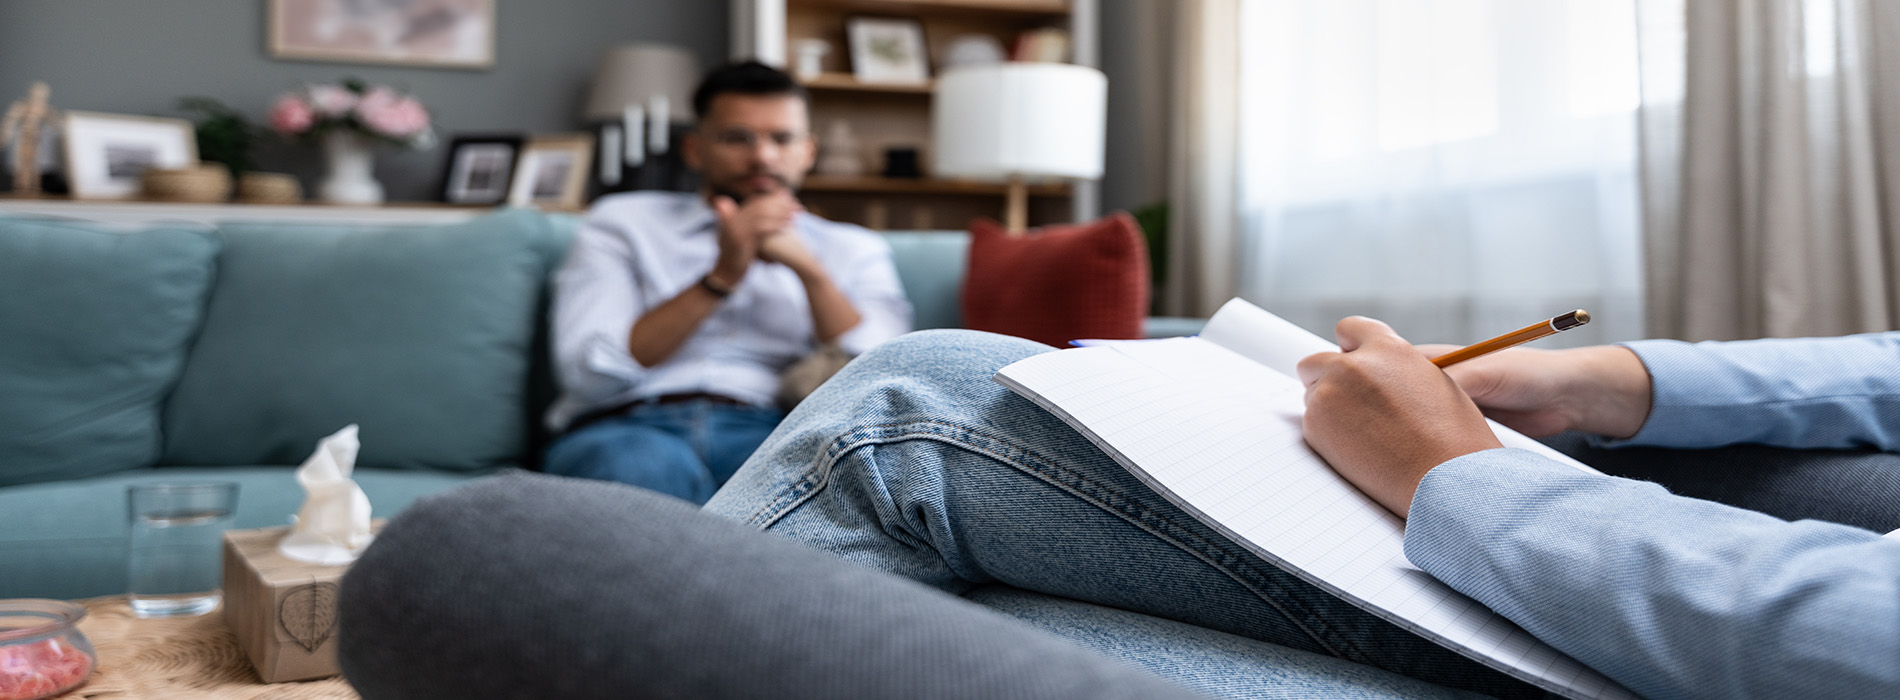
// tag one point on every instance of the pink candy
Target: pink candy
(41, 669)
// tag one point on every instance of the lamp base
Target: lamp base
(1016, 212)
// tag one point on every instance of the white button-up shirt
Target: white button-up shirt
(638, 250)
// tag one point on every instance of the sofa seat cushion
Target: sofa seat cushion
(1058, 283)
(94, 327)
(67, 539)
(420, 334)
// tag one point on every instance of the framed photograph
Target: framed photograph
(440, 33)
(106, 153)
(888, 50)
(552, 171)
(480, 167)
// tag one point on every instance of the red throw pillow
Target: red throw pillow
(1058, 283)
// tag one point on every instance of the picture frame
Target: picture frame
(106, 154)
(428, 33)
(553, 171)
(888, 49)
(480, 168)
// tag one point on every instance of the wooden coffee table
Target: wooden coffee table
(182, 657)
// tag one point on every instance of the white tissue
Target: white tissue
(333, 526)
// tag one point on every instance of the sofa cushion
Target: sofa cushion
(420, 334)
(930, 265)
(94, 327)
(1058, 283)
(67, 539)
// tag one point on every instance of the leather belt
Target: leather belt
(592, 417)
(696, 396)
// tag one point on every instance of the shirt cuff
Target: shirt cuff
(1672, 365)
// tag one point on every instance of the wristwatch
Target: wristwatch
(714, 288)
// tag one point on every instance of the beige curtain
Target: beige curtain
(1203, 163)
(1771, 167)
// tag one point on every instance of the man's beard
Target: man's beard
(739, 196)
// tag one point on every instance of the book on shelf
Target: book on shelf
(1047, 45)
(1213, 424)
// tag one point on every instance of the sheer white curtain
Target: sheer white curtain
(1458, 168)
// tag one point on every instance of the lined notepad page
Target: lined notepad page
(1219, 435)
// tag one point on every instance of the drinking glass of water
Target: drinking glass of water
(175, 559)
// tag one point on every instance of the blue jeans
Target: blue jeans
(682, 449)
(913, 461)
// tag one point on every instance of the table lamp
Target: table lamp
(639, 91)
(1011, 121)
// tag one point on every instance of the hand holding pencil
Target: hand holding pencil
(1382, 418)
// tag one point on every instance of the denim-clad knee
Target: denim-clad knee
(914, 461)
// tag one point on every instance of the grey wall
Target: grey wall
(1136, 54)
(139, 57)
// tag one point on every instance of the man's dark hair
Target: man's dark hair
(744, 78)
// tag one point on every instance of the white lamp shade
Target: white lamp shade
(634, 73)
(1031, 119)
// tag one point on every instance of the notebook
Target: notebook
(1213, 424)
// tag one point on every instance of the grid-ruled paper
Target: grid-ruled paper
(1219, 435)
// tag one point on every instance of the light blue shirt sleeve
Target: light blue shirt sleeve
(1803, 393)
(1673, 597)
(1678, 597)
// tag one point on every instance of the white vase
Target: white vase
(349, 170)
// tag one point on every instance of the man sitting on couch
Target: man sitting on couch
(676, 312)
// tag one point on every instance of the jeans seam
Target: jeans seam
(1221, 558)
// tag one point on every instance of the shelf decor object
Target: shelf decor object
(107, 153)
(551, 172)
(347, 120)
(480, 168)
(888, 50)
(1012, 121)
(640, 91)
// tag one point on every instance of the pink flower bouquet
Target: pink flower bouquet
(376, 111)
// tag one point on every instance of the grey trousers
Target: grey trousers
(1851, 487)
(532, 586)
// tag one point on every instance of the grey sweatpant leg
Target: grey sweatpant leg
(531, 586)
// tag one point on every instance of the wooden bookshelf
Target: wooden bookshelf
(883, 116)
(846, 82)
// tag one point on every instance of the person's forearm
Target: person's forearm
(1671, 596)
(832, 313)
(661, 332)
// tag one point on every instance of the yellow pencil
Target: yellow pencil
(1516, 337)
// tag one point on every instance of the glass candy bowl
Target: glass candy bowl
(42, 653)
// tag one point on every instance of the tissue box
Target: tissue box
(282, 611)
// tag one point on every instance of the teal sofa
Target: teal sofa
(187, 354)
(181, 354)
